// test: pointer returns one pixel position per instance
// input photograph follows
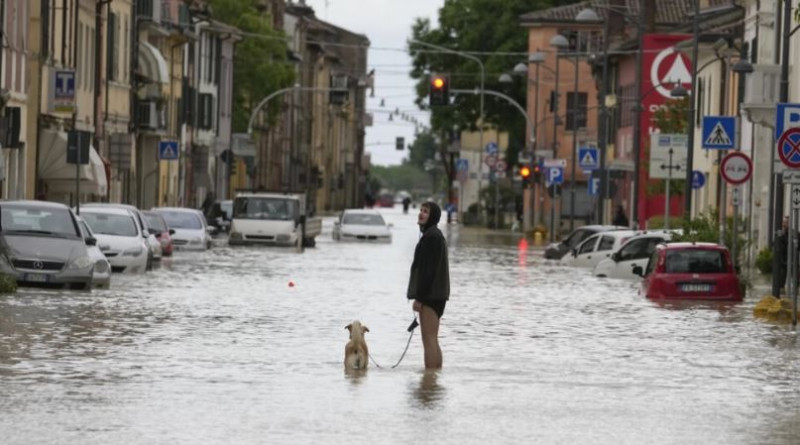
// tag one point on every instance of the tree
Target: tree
(463, 25)
(260, 64)
(422, 149)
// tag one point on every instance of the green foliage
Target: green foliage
(463, 26)
(260, 64)
(422, 149)
(8, 284)
(671, 117)
(657, 222)
(705, 228)
(403, 177)
(764, 261)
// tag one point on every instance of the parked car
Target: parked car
(153, 245)
(556, 251)
(119, 237)
(101, 277)
(690, 271)
(597, 247)
(41, 244)
(634, 252)
(191, 231)
(361, 225)
(162, 232)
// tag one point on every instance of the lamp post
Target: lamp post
(687, 189)
(480, 118)
(558, 41)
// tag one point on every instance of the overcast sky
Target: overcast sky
(387, 24)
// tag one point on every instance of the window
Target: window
(588, 245)
(606, 243)
(111, 47)
(576, 113)
(651, 265)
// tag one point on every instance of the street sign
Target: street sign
(719, 132)
(462, 165)
(560, 163)
(664, 165)
(490, 160)
(789, 147)
(698, 179)
(63, 91)
(736, 168)
(795, 198)
(791, 177)
(492, 148)
(555, 175)
(168, 150)
(594, 186)
(500, 166)
(78, 146)
(786, 116)
(588, 158)
(735, 196)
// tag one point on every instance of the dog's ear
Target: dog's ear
(366, 329)
(349, 327)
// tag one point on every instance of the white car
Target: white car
(101, 277)
(635, 252)
(153, 244)
(191, 231)
(119, 237)
(362, 225)
(597, 247)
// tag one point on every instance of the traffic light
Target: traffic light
(439, 93)
(525, 174)
(537, 172)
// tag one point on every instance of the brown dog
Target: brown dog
(356, 354)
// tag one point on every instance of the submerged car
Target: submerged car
(634, 252)
(191, 231)
(41, 244)
(153, 245)
(101, 278)
(361, 225)
(690, 271)
(162, 232)
(597, 248)
(119, 237)
(556, 251)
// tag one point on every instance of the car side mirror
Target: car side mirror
(153, 231)
(91, 241)
(637, 270)
(615, 257)
(171, 231)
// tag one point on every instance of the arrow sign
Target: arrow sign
(795, 198)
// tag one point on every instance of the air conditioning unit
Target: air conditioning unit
(763, 85)
(147, 115)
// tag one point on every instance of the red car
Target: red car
(690, 271)
(159, 228)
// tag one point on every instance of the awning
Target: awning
(60, 176)
(152, 63)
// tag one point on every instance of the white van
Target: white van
(273, 219)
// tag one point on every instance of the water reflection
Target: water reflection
(428, 393)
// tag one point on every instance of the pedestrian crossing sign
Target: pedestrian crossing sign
(719, 132)
(168, 150)
(588, 158)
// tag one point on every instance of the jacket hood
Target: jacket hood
(434, 216)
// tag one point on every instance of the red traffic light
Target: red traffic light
(536, 168)
(525, 172)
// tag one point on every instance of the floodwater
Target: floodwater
(220, 348)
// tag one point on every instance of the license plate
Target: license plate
(36, 277)
(696, 287)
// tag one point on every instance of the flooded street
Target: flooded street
(245, 346)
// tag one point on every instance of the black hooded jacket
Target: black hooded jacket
(430, 271)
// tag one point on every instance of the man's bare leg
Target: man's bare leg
(429, 326)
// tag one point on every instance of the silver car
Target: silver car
(41, 244)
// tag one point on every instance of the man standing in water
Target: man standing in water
(429, 284)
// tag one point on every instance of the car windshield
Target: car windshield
(227, 207)
(363, 219)
(46, 221)
(264, 208)
(182, 220)
(155, 221)
(111, 224)
(695, 261)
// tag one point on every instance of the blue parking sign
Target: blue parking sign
(555, 175)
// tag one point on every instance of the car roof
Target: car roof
(362, 211)
(36, 204)
(175, 209)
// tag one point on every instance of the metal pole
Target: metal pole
(77, 171)
(666, 203)
(687, 191)
(777, 187)
(533, 184)
(791, 266)
(575, 116)
(735, 234)
(637, 131)
(603, 128)
(555, 155)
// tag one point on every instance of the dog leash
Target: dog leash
(410, 329)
